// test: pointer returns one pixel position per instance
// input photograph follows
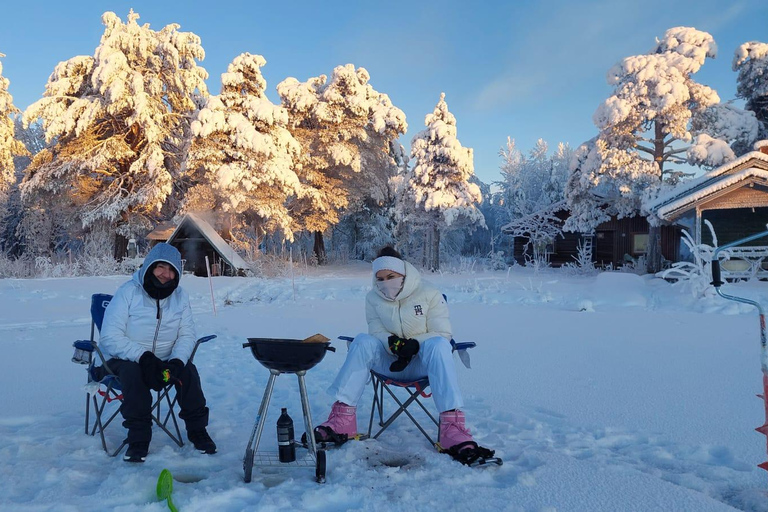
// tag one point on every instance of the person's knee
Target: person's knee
(365, 343)
(130, 371)
(436, 345)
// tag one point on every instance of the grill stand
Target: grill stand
(314, 458)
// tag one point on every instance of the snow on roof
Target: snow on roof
(227, 253)
(162, 231)
(712, 187)
(692, 190)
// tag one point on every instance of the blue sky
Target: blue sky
(523, 69)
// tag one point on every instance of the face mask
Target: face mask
(156, 289)
(391, 287)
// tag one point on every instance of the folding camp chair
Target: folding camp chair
(104, 387)
(415, 389)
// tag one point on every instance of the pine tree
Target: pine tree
(654, 116)
(117, 120)
(242, 157)
(439, 184)
(335, 120)
(751, 61)
(10, 146)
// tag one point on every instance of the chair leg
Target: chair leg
(374, 404)
(403, 408)
(171, 414)
(87, 411)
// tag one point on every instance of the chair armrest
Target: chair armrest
(103, 359)
(204, 339)
(463, 345)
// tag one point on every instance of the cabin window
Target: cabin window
(639, 243)
(546, 246)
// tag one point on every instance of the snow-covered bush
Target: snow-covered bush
(497, 260)
(696, 274)
(583, 263)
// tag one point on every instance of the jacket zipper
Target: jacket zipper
(157, 329)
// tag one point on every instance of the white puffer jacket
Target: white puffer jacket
(131, 319)
(419, 311)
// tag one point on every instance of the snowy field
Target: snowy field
(602, 393)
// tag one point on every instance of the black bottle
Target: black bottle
(286, 448)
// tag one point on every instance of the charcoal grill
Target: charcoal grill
(285, 356)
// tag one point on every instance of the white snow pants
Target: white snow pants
(434, 360)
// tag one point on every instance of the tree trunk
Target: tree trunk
(121, 247)
(319, 248)
(435, 263)
(653, 249)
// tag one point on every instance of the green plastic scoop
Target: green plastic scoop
(165, 488)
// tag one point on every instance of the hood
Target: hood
(161, 252)
(410, 283)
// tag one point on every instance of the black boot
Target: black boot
(136, 452)
(202, 441)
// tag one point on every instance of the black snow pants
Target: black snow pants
(137, 400)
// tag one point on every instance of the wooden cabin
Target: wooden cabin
(734, 199)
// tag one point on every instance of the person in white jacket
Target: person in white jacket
(409, 333)
(147, 338)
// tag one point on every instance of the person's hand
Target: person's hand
(404, 349)
(152, 370)
(175, 366)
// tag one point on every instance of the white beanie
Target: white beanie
(389, 263)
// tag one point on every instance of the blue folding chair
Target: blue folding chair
(104, 386)
(415, 389)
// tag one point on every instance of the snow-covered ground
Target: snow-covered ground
(610, 392)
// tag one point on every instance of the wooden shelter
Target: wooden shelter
(734, 199)
(195, 239)
(615, 242)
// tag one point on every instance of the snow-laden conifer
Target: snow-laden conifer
(751, 61)
(10, 146)
(336, 120)
(116, 120)
(439, 183)
(242, 157)
(655, 116)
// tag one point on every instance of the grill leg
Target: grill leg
(261, 417)
(307, 413)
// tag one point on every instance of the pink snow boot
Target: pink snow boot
(456, 441)
(452, 430)
(340, 425)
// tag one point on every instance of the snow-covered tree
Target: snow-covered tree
(654, 116)
(12, 239)
(116, 121)
(439, 184)
(10, 146)
(751, 61)
(335, 120)
(242, 156)
(531, 183)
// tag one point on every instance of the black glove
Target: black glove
(175, 366)
(404, 349)
(152, 370)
